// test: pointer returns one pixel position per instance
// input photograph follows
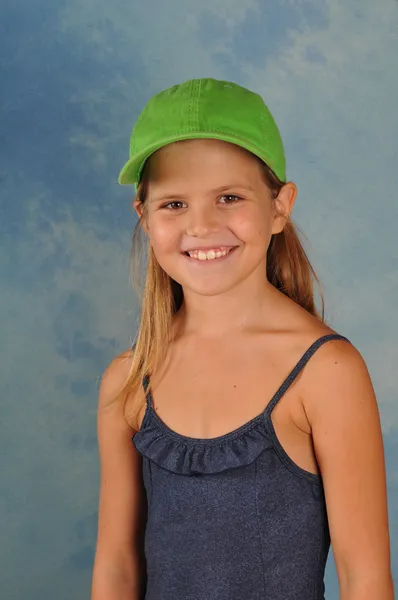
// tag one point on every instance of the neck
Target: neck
(249, 306)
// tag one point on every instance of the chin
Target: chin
(208, 289)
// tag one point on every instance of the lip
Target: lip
(208, 248)
(213, 261)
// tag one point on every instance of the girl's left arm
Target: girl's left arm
(342, 410)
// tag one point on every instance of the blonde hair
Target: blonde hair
(288, 269)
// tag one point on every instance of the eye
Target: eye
(228, 196)
(173, 205)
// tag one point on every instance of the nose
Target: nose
(203, 220)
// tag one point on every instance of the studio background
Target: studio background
(73, 78)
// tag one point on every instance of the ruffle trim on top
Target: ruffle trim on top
(190, 456)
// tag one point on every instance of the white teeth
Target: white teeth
(209, 255)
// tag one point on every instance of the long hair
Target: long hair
(288, 269)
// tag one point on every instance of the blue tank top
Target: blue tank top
(231, 517)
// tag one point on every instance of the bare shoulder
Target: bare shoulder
(336, 368)
(335, 380)
(113, 379)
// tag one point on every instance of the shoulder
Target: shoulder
(111, 399)
(114, 377)
(338, 397)
(336, 365)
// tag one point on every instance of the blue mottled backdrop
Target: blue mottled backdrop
(73, 78)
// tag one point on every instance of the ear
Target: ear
(284, 205)
(139, 209)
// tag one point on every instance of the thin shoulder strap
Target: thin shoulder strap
(299, 367)
(148, 395)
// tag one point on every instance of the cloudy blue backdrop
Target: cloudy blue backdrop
(73, 77)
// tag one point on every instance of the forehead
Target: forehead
(209, 158)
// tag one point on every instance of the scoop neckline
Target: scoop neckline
(234, 433)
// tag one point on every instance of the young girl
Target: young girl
(240, 436)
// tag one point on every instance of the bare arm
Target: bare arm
(119, 567)
(341, 407)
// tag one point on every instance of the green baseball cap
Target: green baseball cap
(205, 108)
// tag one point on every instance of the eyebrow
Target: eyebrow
(213, 191)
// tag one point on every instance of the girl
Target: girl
(256, 438)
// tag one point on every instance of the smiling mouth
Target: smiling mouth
(212, 254)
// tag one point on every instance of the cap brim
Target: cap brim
(131, 170)
(126, 175)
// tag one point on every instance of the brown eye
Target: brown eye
(228, 196)
(173, 205)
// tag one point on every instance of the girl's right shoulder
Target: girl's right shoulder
(113, 379)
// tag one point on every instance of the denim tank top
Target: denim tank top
(231, 517)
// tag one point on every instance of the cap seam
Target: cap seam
(199, 91)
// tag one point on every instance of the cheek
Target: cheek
(163, 234)
(251, 223)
